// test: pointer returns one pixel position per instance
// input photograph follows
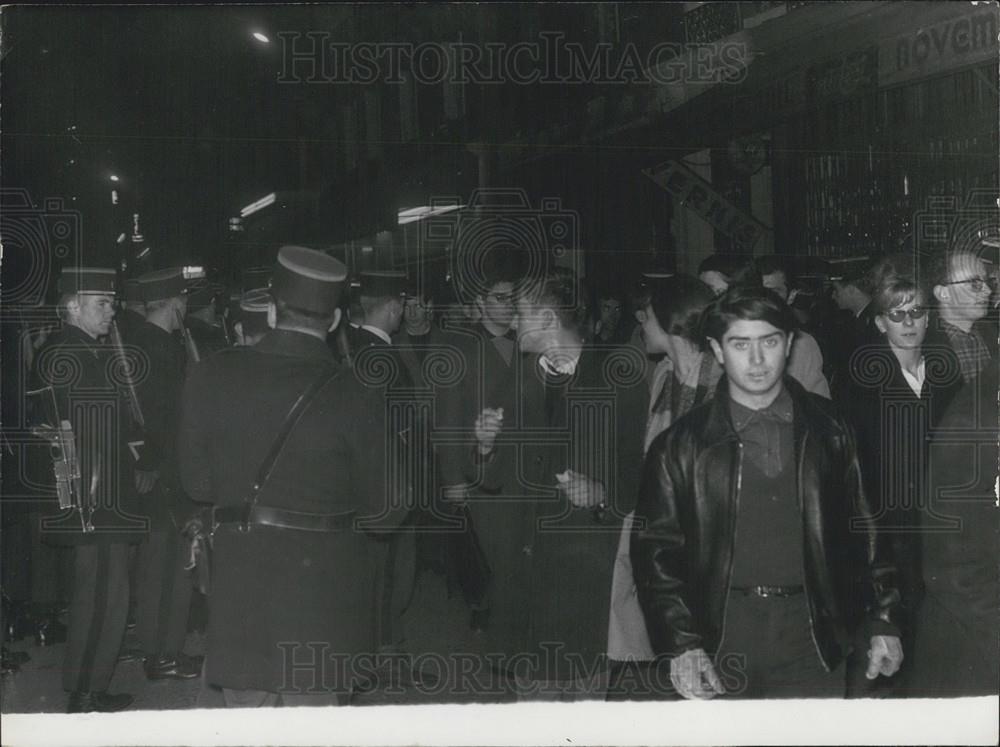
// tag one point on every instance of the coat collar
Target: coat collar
(295, 344)
(77, 336)
(719, 426)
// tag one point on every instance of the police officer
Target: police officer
(163, 588)
(84, 376)
(202, 321)
(251, 318)
(295, 564)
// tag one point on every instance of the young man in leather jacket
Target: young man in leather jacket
(754, 552)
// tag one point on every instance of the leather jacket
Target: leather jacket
(683, 540)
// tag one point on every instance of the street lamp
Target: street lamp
(262, 38)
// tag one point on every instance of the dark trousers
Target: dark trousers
(767, 651)
(97, 613)
(163, 589)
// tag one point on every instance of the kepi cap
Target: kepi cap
(160, 284)
(97, 280)
(200, 294)
(132, 291)
(307, 279)
(382, 284)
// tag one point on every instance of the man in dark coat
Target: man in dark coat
(207, 330)
(133, 310)
(560, 482)
(754, 552)
(294, 608)
(957, 646)
(84, 376)
(163, 585)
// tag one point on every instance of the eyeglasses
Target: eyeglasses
(978, 284)
(898, 315)
(502, 297)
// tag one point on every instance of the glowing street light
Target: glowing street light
(262, 38)
(114, 178)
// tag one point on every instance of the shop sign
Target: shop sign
(960, 41)
(845, 76)
(698, 195)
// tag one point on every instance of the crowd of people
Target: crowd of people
(749, 482)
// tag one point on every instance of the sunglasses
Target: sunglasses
(898, 315)
(978, 284)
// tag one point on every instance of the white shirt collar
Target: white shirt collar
(916, 382)
(378, 333)
(559, 365)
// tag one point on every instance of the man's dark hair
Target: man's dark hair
(286, 314)
(746, 303)
(498, 267)
(608, 292)
(560, 291)
(738, 269)
(772, 263)
(679, 303)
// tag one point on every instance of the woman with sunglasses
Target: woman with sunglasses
(899, 389)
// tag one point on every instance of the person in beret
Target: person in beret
(295, 575)
(132, 313)
(251, 320)
(76, 373)
(382, 296)
(202, 320)
(163, 587)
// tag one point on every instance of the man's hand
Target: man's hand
(145, 480)
(488, 426)
(885, 654)
(581, 491)
(455, 495)
(694, 677)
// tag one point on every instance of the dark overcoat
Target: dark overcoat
(158, 390)
(553, 563)
(86, 377)
(283, 593)
(892, 426)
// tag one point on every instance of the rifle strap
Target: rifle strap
(291, 420)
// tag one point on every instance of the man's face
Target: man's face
(416, 315)
(611, 313)
(498, 304)
(653, 336)
(842, 295)
(93, 313)
(530, 322)
(777, 282)
(395, 315)
(967, 294)
(753, 354)
(715, 280)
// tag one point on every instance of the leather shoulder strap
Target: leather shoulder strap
(291, 419)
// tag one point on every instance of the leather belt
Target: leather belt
(269, 516)
(769, 591)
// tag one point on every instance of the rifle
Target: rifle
(189, 343)
(133, 400)
(65, 463)
(135, 409)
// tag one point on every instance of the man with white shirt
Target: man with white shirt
(567, 473)
(961, 282)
